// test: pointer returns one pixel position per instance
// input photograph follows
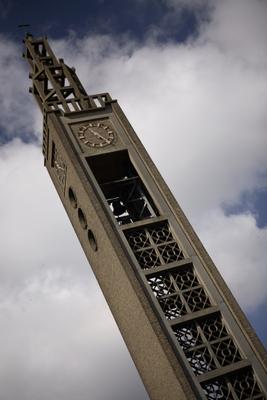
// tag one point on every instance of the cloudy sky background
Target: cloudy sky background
(192, 78)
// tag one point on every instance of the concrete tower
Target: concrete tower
(186, 333)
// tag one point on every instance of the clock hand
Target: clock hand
(99, 136)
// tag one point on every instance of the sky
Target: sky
(191, 77)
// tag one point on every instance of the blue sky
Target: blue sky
(191, 76)
(134, 18)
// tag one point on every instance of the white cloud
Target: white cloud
(199, 108)
(239, 28)
(58, 337)
(49, 347)
(238, 247)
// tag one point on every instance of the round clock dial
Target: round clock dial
(96, 134)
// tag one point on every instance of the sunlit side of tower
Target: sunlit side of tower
(186, 333)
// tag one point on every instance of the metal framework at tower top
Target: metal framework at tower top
(187, 335)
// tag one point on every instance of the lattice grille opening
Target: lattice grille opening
(138, 239)
(170, 252)
(160, 233)
(242, 386)
(213, 327)
(207, 344)
(185, 279)
(188, 336)
(178, 291)
(155, 241)
(201, 360)
(226, 352)
(196, 299)
(173, 307)
(162, 284)
(148, 258)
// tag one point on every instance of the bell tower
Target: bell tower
(186, 333)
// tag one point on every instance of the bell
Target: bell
(118, 208)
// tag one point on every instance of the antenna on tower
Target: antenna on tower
(24, 26)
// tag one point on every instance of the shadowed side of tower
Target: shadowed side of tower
(186, 334)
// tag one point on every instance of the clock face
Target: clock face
(96, 134)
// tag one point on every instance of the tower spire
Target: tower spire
(55, 85)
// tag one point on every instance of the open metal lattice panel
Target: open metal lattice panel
(195, 324)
